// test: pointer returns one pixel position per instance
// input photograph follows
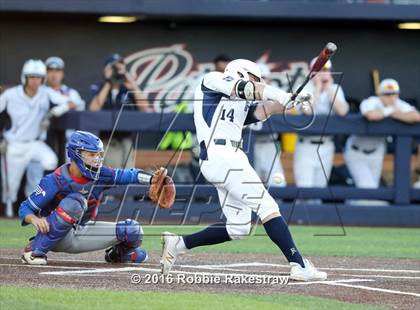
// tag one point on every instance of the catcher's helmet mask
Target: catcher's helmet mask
(81, 141)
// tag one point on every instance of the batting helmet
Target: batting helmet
(241, 68)
(33, 67)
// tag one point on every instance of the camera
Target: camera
(117, 78)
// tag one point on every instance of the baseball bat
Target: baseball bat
(326, 53)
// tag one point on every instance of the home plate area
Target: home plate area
(391, 283)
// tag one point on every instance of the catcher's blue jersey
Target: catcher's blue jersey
(57, 185)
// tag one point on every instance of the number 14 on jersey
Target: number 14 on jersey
(229, 115)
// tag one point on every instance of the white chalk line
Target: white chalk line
(44, 266)
(254, 264)
(340, 282)
(106, 270)
(100, 270)
(377, 276)
(224, 268)
(251, 264)
(376, 289)
(331, 281)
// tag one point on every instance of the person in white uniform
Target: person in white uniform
(224, 103)
(55, 77)
(311, 150)
(364, 155)
(28, 106)
(267, 151)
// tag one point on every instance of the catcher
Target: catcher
(64, 205)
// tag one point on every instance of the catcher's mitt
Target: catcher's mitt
(162, 191)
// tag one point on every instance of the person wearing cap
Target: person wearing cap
(364, 155)
(28, 106)
(117, 89)
(314, 155)
(267, 162)
(111, 93)
(55, 78)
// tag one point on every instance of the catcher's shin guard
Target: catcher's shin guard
(129, 233)
(60, 221)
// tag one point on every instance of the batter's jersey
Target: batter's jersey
(26, 113)
(216, 114)
(57, 185)
(370, 104)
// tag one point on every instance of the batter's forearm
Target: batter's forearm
(252, 91)
(265, 109)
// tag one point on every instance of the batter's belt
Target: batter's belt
(203, 148)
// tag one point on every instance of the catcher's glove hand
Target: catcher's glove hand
(162, 191)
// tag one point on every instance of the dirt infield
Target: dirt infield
(389, 283)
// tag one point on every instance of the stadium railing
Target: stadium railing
(401, 193)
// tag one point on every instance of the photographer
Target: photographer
(117, 89)
(112, 93)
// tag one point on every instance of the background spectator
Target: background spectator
(311, 150)
(28, 108)
(220, 62)
(55, 77)
(118, 89)
(364, 155)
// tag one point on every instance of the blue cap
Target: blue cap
(54, 62)
(113, 58)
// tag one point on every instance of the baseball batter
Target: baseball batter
(64, 206)
(224, 104)
(364, 155)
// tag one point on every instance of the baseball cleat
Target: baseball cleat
(309, 273)
(28, 258)
(169, 251)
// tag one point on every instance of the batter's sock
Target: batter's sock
(213, 234)
(279, 233)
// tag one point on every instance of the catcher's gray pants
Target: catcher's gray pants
(91, 236)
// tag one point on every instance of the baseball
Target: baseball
(278, 178)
